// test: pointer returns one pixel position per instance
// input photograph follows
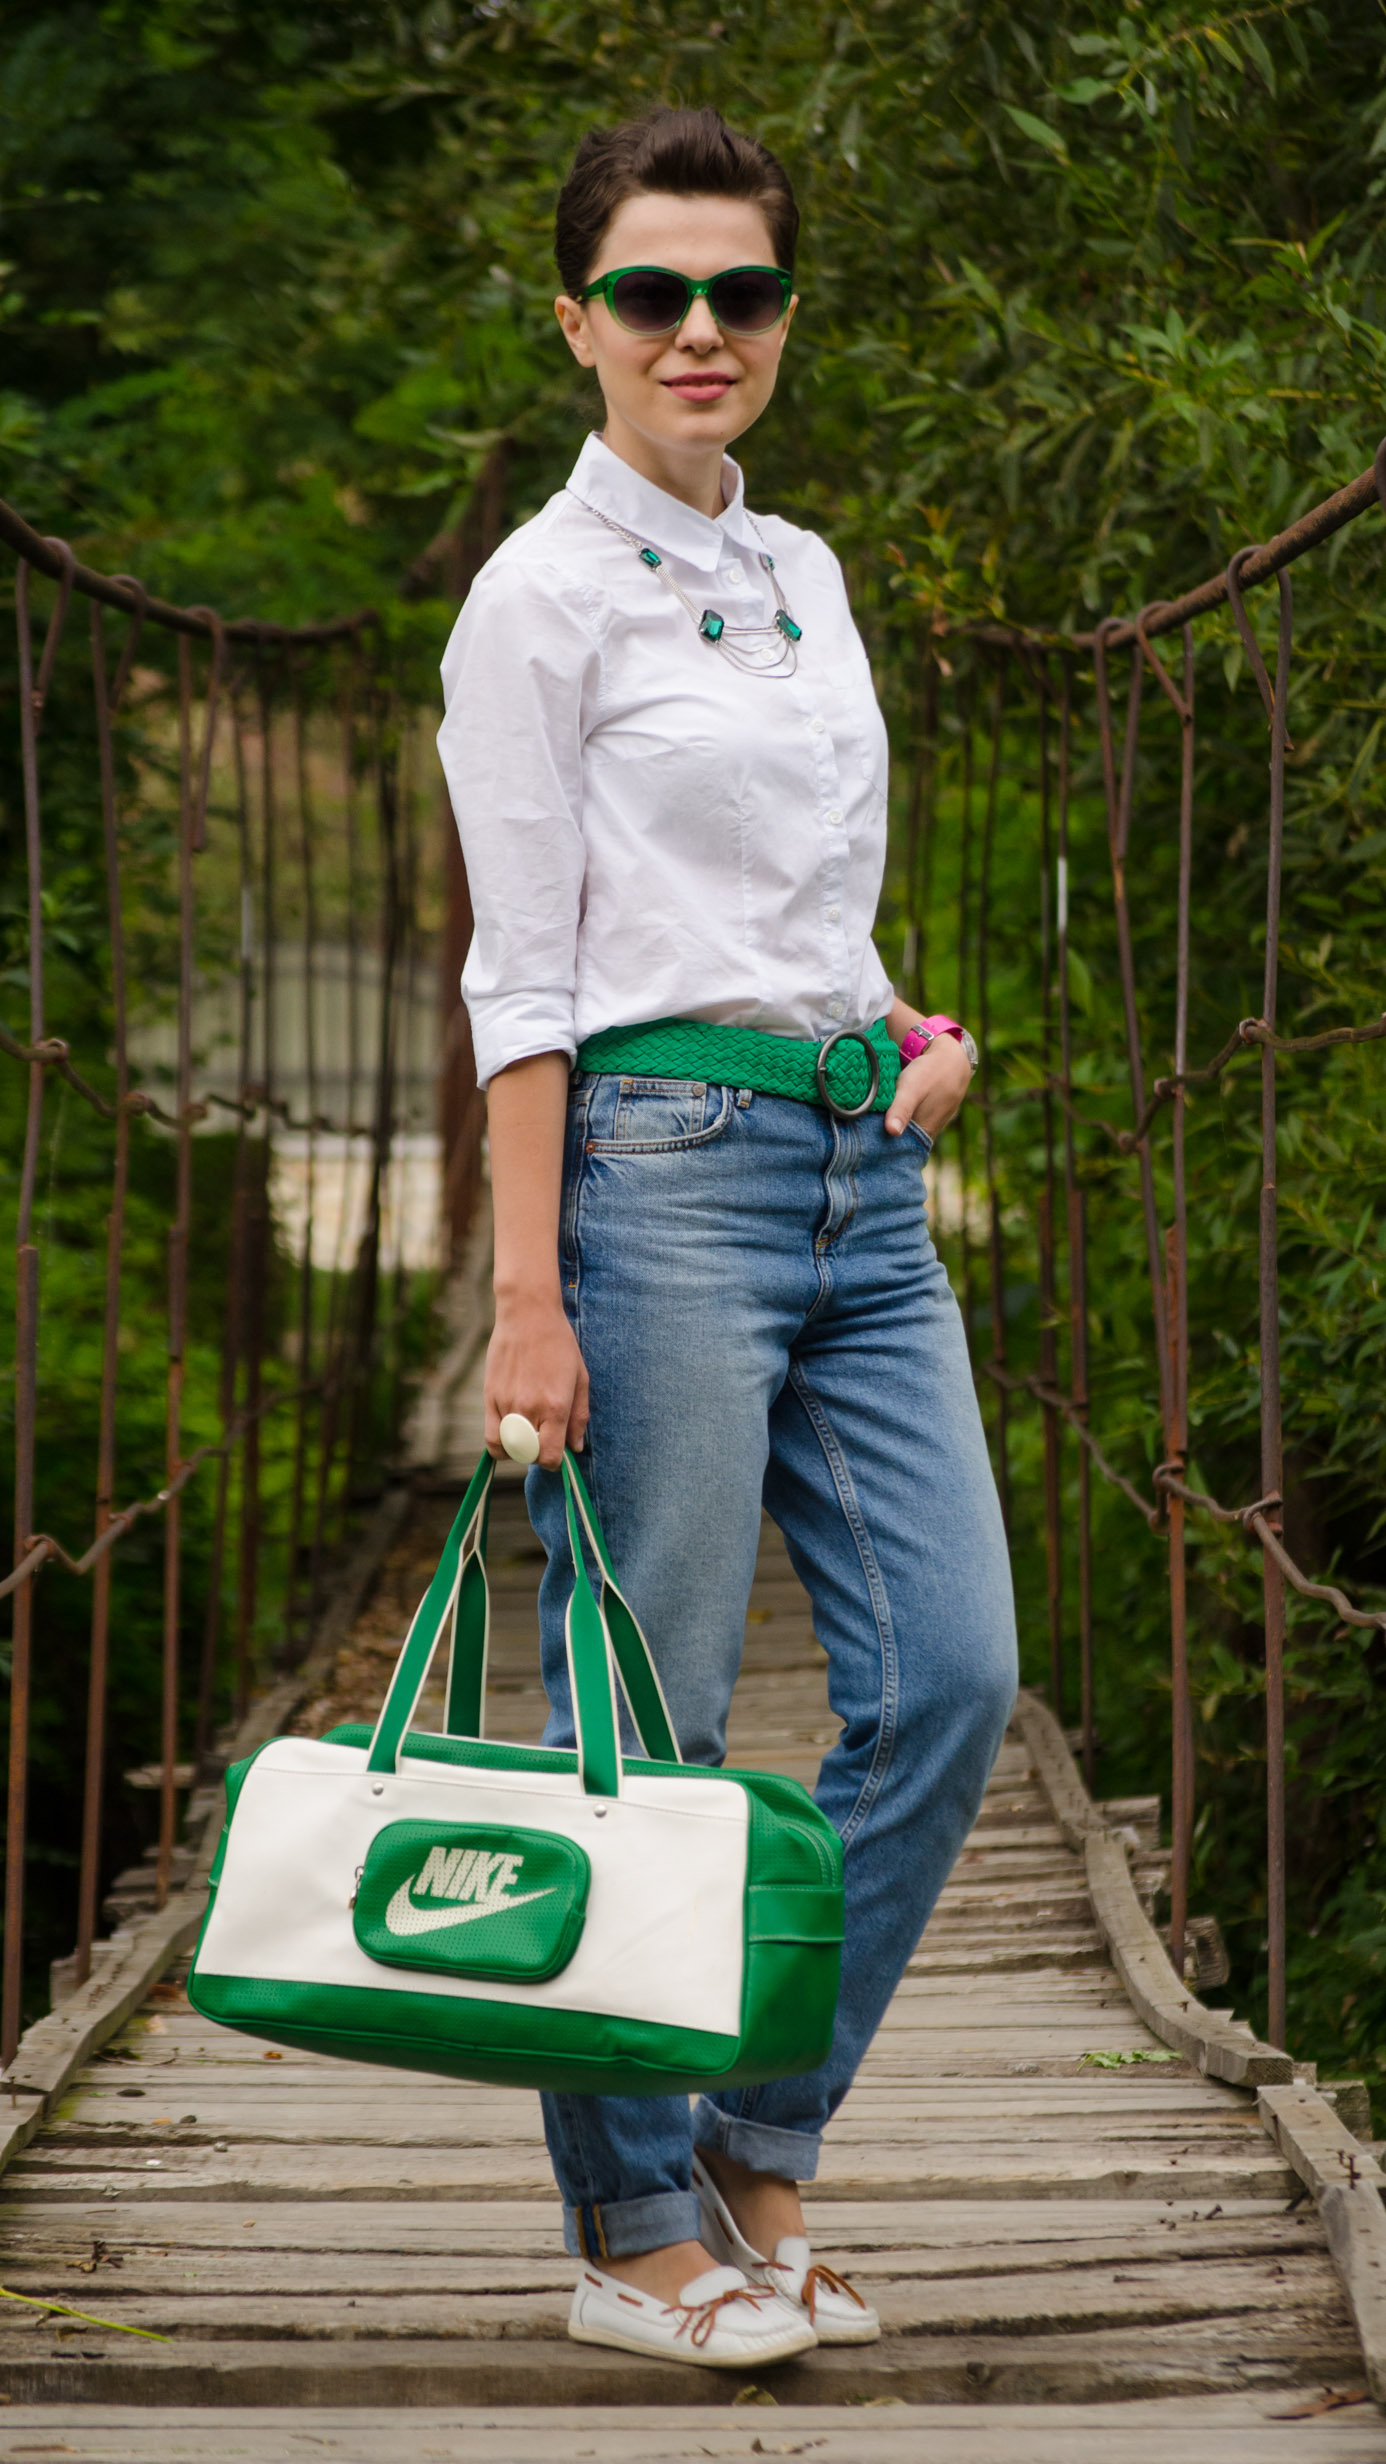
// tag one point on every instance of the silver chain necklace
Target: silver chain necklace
(758, 650)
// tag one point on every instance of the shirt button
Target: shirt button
(835, 818)
(815, 727)
(835, 1009)
(834, 915)
(735, 574)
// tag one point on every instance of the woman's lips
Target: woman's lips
(699, 388)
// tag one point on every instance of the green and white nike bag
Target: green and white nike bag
(520, 1914)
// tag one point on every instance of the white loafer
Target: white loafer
(833, 2308)
(720, 2320)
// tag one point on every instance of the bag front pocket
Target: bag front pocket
(476, 1899)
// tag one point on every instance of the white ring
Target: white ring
(520, 1438)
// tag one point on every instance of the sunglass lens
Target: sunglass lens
(649, 302)
(747, 301)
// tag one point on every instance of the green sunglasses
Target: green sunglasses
(650, 300)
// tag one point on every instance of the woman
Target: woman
(712, 1267)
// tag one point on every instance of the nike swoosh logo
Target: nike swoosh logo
(402, 1917)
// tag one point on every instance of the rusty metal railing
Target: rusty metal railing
(276, 755)
(1009, 689)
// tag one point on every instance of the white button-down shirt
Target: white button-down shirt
(648, 831)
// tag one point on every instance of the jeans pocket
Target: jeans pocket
(655, 1116)
(913, 1130)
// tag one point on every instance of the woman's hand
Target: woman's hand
(931, 1089)
(533, 1366)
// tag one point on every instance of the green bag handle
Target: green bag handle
(600, 1639)
(634, 1662)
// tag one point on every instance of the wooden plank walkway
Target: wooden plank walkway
(1072, 2262)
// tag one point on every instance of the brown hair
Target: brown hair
(676, 153)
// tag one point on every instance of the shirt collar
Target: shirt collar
(604, 481)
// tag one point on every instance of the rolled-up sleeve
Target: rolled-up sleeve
(521, 675)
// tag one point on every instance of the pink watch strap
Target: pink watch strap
(922, 1037)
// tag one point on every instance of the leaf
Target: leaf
(1039, 130)
(1254, 45)
(1356, 782)
(62, 2309)
(1079, 980)
(1135, 2053)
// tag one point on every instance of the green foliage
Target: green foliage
(1083, 301)
(1089, 300)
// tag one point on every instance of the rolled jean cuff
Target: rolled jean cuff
(792, 2154)
(622, 2228)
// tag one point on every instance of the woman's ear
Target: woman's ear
(573, 320)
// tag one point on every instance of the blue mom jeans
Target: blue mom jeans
(764, 1319)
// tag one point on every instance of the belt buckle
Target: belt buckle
(847, 1112)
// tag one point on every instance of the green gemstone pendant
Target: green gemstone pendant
(787, 626)
(712, 626)
(648, 557)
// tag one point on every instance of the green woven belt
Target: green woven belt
(748, 1057)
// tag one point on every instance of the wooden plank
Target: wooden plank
(1347, 2181)
(996, 1955)
(899, 2125)
(181, 2077)
(1236, 2429)
(227, 2263)
(990, 1834)
(197, 2157)
(941, 2230)
(1049, 1997)
(1072, 2029)
(960, 1912)
(991, 1865)
(1108, 2101)
(452, 2309)
(1355, 2223)
(1106, 2032)
(238, 2069)
(1286, 2347)
(1325, 2154)
(20, 2117)
(1138, 2088)
(901, 2171)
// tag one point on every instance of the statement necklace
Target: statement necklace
(758, 650)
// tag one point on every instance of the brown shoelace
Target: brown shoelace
(701, 2317)
(821, 2280)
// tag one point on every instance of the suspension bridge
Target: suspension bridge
(1098, 2213)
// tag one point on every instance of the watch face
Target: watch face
(969, 1048)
